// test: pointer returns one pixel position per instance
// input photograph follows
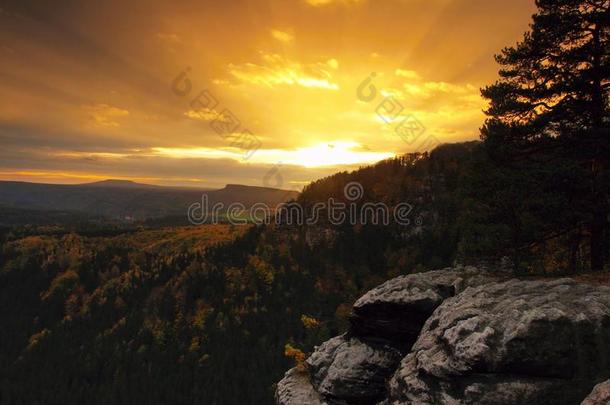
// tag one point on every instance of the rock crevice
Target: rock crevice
(464, 336)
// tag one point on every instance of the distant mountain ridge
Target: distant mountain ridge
(128, 200)
(130, 184)
(113, 183)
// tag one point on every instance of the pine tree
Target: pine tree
(551, 104)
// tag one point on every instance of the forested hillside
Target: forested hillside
(185, 313)
(205, 313)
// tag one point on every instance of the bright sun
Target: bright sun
(318, 155)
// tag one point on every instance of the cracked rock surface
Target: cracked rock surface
(463, 336)
(398, 308)
(347, 369)
(516, 342)
(295, 389)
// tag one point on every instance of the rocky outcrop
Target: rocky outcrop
(295, 389)
(348, 369)
(397, 309)
(478, 340)
(600, 395)
(516, 342)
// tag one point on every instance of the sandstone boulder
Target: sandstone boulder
(347, 369)
(600, 395)
(397, 310)
(295, 389)
(478, 340)
(516, 342)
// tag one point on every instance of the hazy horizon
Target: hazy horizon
(126, 180)
(94, 91)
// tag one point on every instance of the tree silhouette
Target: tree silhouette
(551, 105)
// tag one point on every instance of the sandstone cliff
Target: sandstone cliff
(463, 336)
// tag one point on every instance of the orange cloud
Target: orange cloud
(317, 155)
(409, 74)
(204, 114)
(289, 70)
(282, 36)
(318, 3)
(104, 115)
(277, 70)
(170, 38)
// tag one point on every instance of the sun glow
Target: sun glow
(171, 94)
(318, 155)
(337, 153)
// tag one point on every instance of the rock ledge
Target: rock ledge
(464, 336)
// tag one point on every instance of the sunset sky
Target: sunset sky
(91, 90)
